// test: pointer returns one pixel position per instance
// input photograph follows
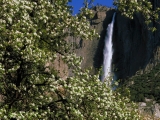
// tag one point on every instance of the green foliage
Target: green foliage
(32, 33)
(145, 85)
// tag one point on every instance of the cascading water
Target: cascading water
(108, 51)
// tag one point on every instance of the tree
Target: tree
(33, 33)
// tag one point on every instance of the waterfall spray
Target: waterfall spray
(108, 52)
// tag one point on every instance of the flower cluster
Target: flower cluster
(91, 99)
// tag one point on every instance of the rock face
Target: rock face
(92, 50)
(150, 107)
(134, 45)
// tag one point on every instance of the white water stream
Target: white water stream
(108, 52)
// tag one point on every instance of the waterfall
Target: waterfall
(108, 52)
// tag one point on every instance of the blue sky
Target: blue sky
(77, 4)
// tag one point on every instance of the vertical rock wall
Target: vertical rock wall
(134, 44)
(92, 50)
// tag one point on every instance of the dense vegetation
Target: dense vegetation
(145, 84)
(32, 33)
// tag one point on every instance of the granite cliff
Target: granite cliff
(135, 46)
